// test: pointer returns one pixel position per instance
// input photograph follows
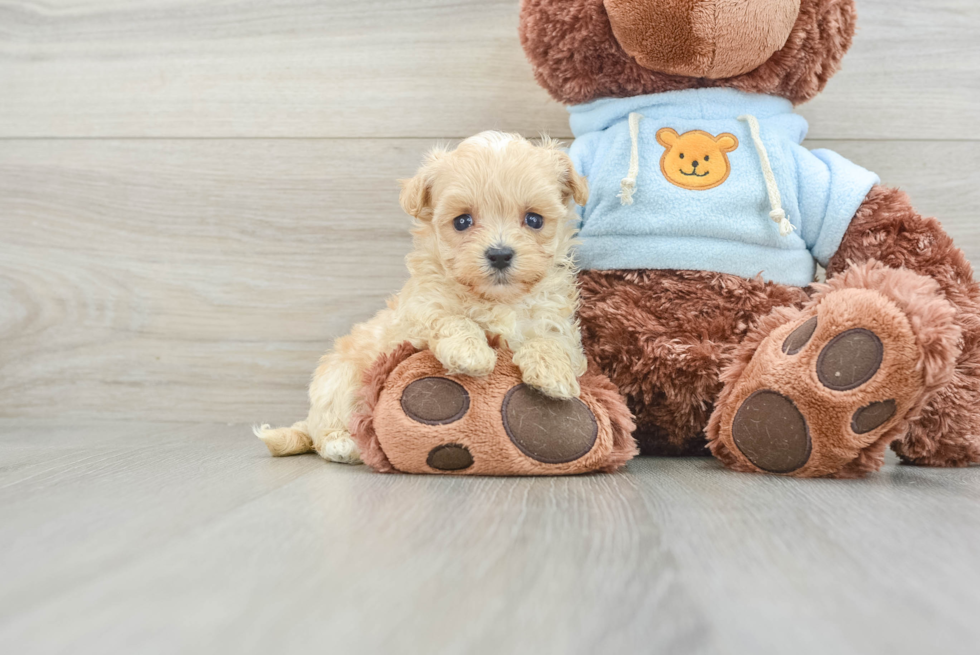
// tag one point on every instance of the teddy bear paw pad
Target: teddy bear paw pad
(435, 401)
(772, 432)
(450, 457)
(849, 360)
(546, 429)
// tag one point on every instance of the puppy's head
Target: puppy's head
(496, 213)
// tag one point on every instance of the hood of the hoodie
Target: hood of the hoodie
(705, 104)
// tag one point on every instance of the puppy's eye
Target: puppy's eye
(534, 221)
(707, 158)
(682, 155)
(463, 222)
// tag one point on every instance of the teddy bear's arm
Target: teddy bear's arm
(887, 228)
(830, 190)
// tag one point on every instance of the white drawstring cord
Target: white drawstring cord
(628, 185)
(778, 215)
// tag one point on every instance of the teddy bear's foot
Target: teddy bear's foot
(420, 419)
(822, 391)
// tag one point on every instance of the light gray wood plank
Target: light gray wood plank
(217, 262)
(282, 68)
(404, 68)
(202, 280)
(148, 538)
(912, 73)
(95, 497)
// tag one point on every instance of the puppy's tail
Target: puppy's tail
(285, 441)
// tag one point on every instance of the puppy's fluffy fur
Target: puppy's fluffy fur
(454, 297)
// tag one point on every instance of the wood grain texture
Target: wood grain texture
(150, 538)
(202, 279)
(404, 68)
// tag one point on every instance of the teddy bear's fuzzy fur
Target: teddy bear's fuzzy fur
(665, 337)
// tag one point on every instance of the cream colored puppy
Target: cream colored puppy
(494, 226)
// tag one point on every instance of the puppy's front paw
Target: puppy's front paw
(548, 368)
(466, 356)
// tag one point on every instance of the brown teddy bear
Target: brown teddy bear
(701, 238)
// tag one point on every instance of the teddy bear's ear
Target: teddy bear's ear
(667, 137)
(416, 195)
(727, 142)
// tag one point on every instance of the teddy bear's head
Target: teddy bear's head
(582, 50)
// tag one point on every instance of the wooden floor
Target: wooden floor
(197, 197)
(180, 538)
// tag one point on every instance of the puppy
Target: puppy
(494, 226)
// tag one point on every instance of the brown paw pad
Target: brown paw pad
(772, 433)
(870, 418)
(450, 457)
(435, 401)
(850, 359)
(800, 337)
(546, 429)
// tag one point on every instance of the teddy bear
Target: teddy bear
(706, 222)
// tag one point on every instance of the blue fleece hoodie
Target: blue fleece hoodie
(672, 224)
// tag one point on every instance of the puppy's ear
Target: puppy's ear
(416, 195)
(573, 185)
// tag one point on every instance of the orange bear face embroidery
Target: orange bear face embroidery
(696, 160)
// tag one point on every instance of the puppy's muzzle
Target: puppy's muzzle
(500, 258)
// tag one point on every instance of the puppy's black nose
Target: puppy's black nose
(694, 164)
(500, 258)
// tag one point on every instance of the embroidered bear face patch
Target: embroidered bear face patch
(696, 160)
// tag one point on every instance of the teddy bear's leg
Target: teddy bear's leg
(887, 228)
(663, 338)
(415, 417)
(824, 390)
